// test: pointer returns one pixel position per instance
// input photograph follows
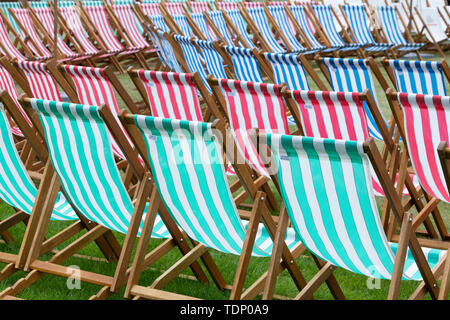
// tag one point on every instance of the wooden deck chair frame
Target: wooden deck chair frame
(17, 42)
(259, 212)
(214, 28)
(407, 240)
(239, 38)
(51, 184)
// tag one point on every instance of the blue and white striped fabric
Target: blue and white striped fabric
(16, 187)
(359, 23)
(220, 23)
(213, 60)
(279, 15)
(419, 77)
(193, 58)
(327, 189)
(241, 26)
(188, 167)
(182, 23)
(300, 16)
(168, 53)
(259, 18)
(80, 149)
(158, 21)
(200, 21)
(387, 15)
(353, 75)
(325, 16)
(245, 65)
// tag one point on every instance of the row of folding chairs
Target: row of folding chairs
(77, 145)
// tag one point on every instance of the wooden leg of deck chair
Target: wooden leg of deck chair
(316, 282)
(330, 281)
(7, 271)
(445, 284)
(12, 220)
(247, 248)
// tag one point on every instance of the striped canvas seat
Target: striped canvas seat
(193, 58)
(9, 50)
(300, 16)
(202, 207)
(219, 22)
(37, 47)
(426, 121)
(4, 6)
(213, 60)
(253, 105)
(260, 20)
(158, 21)
(167, 51)
(353, 75)
(79, 145)
(150, 9)
(16, 187)
(182, 23)
(279, 15)
(174, 8)
(245, 64)
(241, 26)
(359, 23)
(425, 77)
(45, 16)
(387, 15)
(200, 21)
(253, 4)
(326, 187)
(335, 115)
(325, 17)
(199, 7)
(130, 23)
(41, 81)
(227, 5)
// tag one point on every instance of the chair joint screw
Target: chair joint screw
(181, 240)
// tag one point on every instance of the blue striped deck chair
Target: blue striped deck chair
(4, 6)
(326, 187)
(213, 60)
(388, 17)
(419, 77)
(241, 27)
(299, 18)
(200, 21)
(219, 21)
(80, 150)
(202, 207)
(166, 51)
(325, 17)
(245, 65)
(158, 21)
(193, 58)
(183, 25)
(353, 75)
(279, 15)
(259, 24)
(359, 23)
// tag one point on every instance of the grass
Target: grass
(52, 287)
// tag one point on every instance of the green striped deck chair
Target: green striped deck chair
(4, 6)
(187, 164)
(327, 189)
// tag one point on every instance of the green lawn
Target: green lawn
(52, 287)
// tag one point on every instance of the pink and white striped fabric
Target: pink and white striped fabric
(12, 51)
(73, 20)
(172, 95)
(199, 7)
(45, 16)
(93, 88)
(279, 3)
(253, 105)
(150, 9)
(427, 123)
(38, 48)
(174, 7)
(253, 4)
(40, 80)
(7, 84)
(335, 115)
(128, 20)
(221, 5)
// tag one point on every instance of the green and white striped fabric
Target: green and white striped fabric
(327, 189)
(80, 150)
(14, 5)
(188, 169)
(16, 187)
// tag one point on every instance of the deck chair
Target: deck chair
(234, 19)
(199, 22)
(7, 47)
(358, 22)
(150, 9)
(169, 55)
(173, 8)
(5, 6)
(388, 18)
(245, 64)
(425, 77)
(216, 20)
(433, 29)
(295, 159)
(104, 198)
(227, 5)
(299, 18)
(259, 25)
(199, 7)
(211, 218)
(325, 15)
(214, 62)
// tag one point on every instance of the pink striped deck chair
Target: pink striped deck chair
(426, 121)
(251, 105)
(174, 7)
(150, 9)
(7, 47)
(128, 20)
(27, 30)
(199, 7)
(333, 115)
(45, 17)
(222, 5)
(253, 4)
